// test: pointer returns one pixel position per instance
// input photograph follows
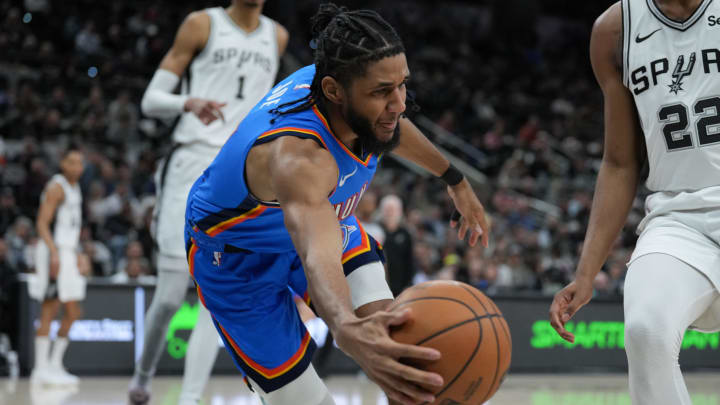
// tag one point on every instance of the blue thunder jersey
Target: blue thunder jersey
(222, 211)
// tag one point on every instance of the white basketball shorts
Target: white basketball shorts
(692, 236)
(71, 284)
(184, 166)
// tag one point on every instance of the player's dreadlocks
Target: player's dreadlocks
(345, 43)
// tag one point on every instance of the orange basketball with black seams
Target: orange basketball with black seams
(467, 328)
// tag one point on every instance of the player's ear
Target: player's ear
(332, 90)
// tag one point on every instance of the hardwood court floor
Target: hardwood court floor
(520, 389)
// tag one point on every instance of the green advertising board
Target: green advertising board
(606, 335)
(183, 320)
(113, 329)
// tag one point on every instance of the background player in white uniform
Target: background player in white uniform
(230, 58)
(58, 277)
(658, 63)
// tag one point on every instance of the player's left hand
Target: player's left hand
(472, 214)
(566, 303)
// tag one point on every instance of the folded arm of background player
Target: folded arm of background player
(415, 147)
(159, 100)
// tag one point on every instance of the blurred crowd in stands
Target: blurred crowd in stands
(511, 79)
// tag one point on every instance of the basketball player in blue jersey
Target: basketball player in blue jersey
(228, 58)
(658, 65)
(275, 210)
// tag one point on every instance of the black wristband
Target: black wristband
(452, 176)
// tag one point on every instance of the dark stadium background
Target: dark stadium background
(504, 86)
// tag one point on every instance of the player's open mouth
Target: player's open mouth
(390, 126)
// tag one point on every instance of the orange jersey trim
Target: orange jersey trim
(293, 129)
(358, 250)
(275, 371)
(200, 295)
(229, 223)
(191, 265)
(191, 258)
(304, 131)
(342, 145)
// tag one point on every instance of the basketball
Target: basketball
(467, 328)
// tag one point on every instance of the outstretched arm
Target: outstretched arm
(618, 178)
(302, 176)
(415, 147)
(311, 222)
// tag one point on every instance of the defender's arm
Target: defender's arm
(302, 176)
(619, 173)
(415, 147)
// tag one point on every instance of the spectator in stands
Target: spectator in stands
(601, 284)
(17, 238)
(134, 266)
(120, 228)
(398, 245)
(523, 275)
(616, 273)
(35, 178)
(60, 102)
(8, 275)
(5, 264)
(554, 271)
(99, 257)
(122, 119)
(97, 206)
(364, 213)
(424, 259)
(87, 41)
(8, 209)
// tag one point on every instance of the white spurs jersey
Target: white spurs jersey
(235, 67)
(672, 69)
(68, 217)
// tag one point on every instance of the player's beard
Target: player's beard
(251, 3)
(369, 142)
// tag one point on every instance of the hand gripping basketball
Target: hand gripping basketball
(467, 328)
(367, 340)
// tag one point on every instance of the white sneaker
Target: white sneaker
(62, 377)
(51, 395)
(39, 376)
(189, 399)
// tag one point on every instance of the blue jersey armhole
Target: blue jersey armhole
(303, 135)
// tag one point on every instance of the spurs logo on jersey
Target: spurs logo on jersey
(658, 71)
(239, 57)
(235, 67)
(681, 71)
(673, 71)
